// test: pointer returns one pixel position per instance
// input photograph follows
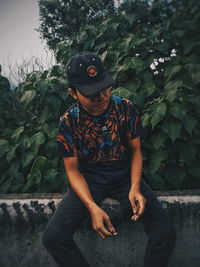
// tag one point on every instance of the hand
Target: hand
(98, 216)
(137, 202)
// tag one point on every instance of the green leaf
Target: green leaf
(171, 95)
(178, 111)
(50, 149)
(196, 77)
(14, 167)
(4, 147)
(158, 139)
(16, 188)
(156, 159)
(121, 91)
(27, 158)
(156, 181)
(3, 178)
(33, 178)
(103, 56)
(187, 151)
(27, 97)
(127, 63)
(194, 169)
(145, 119)
(51, 176)
(52, 132)
(158, 112)
(150, 88)
(52, 181)
(12, 153)
(39, 166)
(24, 143)
(175, 175)
(190, 45)
(196, 102)
(54, 102)
(137, 64)
(128, 40)
(138, 41)
(42, 87)
(4, 188)
(36, 140)
(18, 178)
(17, 133)
(173, 84)
(189, 123)
(156, 33)
(44, 116)
(132, 85)
(172, 128)
(138, 98)
(171, 71)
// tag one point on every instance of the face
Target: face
(96, 105)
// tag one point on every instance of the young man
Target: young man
(99, 139)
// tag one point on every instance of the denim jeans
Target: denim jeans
(58, 236)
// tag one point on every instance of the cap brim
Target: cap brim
(90, 90)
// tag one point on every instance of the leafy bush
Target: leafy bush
(30, 159)
(163, 36)
(152, 52)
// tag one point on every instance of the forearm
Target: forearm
(80, 186)
(136, 168)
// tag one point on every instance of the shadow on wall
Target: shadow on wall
(24, 217)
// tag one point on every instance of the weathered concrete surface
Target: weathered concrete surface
(24, 217)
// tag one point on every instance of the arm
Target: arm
(136, 198)
(80, 187)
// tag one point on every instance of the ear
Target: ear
(72, 93)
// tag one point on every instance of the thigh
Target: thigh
(155, 220)
(153, 208)
(71, 211)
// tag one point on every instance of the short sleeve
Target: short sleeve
(135, 127)
(65, 140)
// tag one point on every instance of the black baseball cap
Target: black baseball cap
(86, 73)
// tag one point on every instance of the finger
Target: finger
(135, 217)
(142, 203)
(101, 234)
(110, 226)
(105, 231)
(134, 206)
(137, 203)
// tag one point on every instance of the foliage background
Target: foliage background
(61, 19)
(130, 39)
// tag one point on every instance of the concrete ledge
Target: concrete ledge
(23, 219)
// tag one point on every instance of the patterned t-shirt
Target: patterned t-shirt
(99, 140)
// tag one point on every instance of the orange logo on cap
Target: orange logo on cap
(92, 71)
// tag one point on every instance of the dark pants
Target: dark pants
(58, 236)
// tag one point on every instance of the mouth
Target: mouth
(101, 104)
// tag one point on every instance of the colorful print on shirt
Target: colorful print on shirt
(99, 138)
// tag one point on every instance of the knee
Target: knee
(168, 236)
(51, 238)
(56, 237)
(47, 238)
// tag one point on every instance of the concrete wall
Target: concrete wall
(23, 218)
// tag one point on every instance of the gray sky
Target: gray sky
(18, 19)
(18, 38)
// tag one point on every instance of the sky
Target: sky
(19, 39)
